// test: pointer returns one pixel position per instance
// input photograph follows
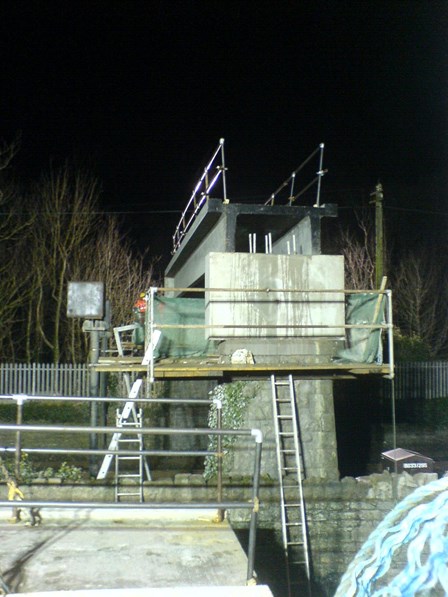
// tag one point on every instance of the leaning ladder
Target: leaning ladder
(290, 474)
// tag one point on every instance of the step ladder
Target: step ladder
(129, 468)
(128, 417)
(291, 474)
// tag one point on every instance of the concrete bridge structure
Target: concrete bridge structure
(268, 290)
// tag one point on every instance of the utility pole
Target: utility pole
(379, 234)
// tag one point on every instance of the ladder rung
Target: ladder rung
(295, 543)
(281, 383)
(128, 476)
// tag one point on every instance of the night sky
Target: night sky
(142, 92)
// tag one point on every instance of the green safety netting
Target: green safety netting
(363, 345)
(181, 341)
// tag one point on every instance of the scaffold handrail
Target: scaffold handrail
(201, 193)
(243, 295)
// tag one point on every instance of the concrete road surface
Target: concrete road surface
(96, 550)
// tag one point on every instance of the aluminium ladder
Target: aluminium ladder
(129, 417)
(290, 474)
(123, 472)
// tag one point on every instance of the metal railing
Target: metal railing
(290, 182)
(44, 378)
(426, 380)
(201, 193)
(280, 329)
(19, 430)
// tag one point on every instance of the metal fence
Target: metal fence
(39, 379)
(425, 380)
(420, 380)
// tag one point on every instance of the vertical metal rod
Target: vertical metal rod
(291, 194)
(254, 513)
(18, 454)
(252, 243)
(94, 391)
(394, 442)
(390, 334)
(152, 291)
(223, 165)
(103, 375)
(320, 173)
(219, 457)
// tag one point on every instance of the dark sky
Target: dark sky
(143, 90)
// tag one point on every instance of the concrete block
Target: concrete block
(264, 308)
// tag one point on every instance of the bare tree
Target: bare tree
(46, 240)
(421, 296)
(124, 272)
(65, 206)
(358, 248)
(15, 225)
(8, 151)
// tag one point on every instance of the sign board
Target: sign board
(85, 300)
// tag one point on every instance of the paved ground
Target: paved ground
(181, 592)
(119, 549)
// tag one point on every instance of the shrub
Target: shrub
(235, 398)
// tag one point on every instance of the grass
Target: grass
(47, 413)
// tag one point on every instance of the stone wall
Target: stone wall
(340, 514)
(317, 430)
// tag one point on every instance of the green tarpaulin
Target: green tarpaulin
(180, 341)
(363, 344)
